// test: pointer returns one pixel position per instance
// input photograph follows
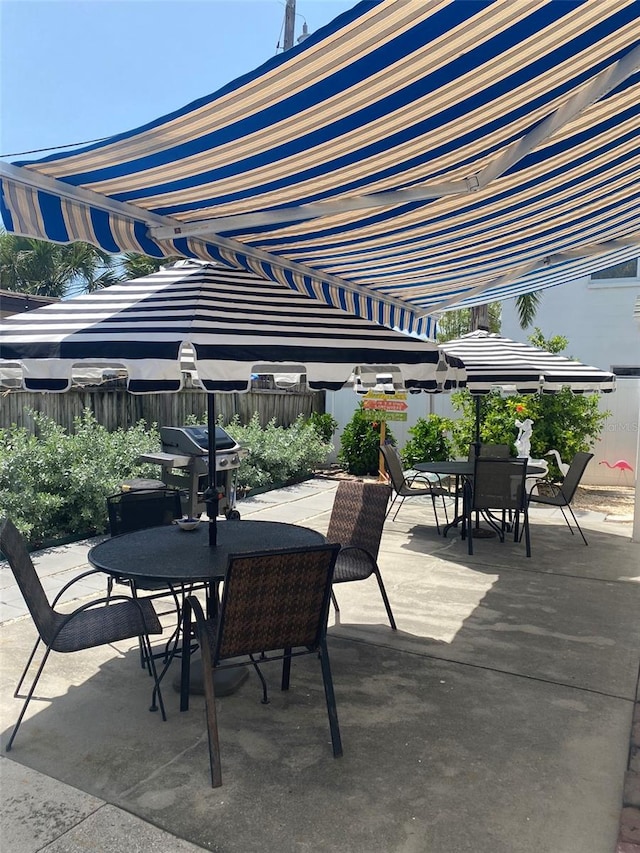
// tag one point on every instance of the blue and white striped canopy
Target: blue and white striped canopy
(493, 362)
(231, 322)
(408, 158)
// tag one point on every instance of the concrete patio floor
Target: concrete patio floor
(497, 718)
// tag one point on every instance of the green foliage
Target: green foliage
(554, 344)
(360, 444)
(50, 269)
(565, 422)
(429, 441)
(458, 322)
(324, 424)
(54, 484)
(277, 454)
(137, 266)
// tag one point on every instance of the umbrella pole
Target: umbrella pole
(211, 494)
(476, 443)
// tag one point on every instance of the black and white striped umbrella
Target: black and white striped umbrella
(232, 321)
(492, 361)
(496, 363)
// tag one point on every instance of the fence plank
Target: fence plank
(115, 407)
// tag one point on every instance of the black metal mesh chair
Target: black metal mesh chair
(494, 451)
(96, 623)
(137, 510)
(272, 601)
(417, 486)
(563, 493)
(357, 518)
(129, 511)
(498, 485)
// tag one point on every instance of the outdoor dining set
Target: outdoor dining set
(278, 580)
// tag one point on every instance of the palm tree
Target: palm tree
(453, 324)
(137, 266)
(527, 305)
(51, 269)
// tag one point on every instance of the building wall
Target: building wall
(596, 315)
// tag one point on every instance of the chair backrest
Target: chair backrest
(493, 451)
(358, 514)
(14, 548)
(393, 465)
(275, 600)
(574, 474)
(499, 483)
(129, 511)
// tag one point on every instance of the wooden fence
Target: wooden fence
(115, 408)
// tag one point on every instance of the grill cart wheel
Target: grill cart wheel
(233, 515)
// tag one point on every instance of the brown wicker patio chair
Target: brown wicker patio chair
(357, 518)
(272, 601)
(96, 623)
(564, 493)
(418, 485)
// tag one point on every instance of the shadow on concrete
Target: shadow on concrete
(495, 720)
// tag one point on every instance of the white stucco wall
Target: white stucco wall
(596, 316)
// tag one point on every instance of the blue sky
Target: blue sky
(77, 70)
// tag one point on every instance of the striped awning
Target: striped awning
(231, 322)
(406, 159)
(493, 362)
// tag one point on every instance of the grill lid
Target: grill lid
(194, 440)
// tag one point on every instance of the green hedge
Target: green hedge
(54, 484)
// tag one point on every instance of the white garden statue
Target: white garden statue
(563, 466)
(523, 441)
(523, 446)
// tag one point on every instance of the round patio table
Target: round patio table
(460, 468)
(184, 557)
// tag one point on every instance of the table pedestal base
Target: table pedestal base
(227, 681)
(483, 533)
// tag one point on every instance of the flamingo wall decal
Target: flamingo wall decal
(563, 466)
(621, 465)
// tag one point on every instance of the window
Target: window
(627, 269)
(623, 370)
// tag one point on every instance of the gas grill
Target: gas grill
(185, 460)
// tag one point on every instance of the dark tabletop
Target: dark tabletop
(169, 553)
(460, 468)
(454, 467)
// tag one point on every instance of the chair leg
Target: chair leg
(334, 601)
(265, 694)
(28, 699)
(26, 669)
(435, 513)
(286, 669)
(385, 598)
(566, 520)
(212, 723)
(527, 537)
(185, 660)
(390, 507)
(399, 507)
(575, 521)
(331, 700)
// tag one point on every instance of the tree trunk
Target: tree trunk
(480, 317)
